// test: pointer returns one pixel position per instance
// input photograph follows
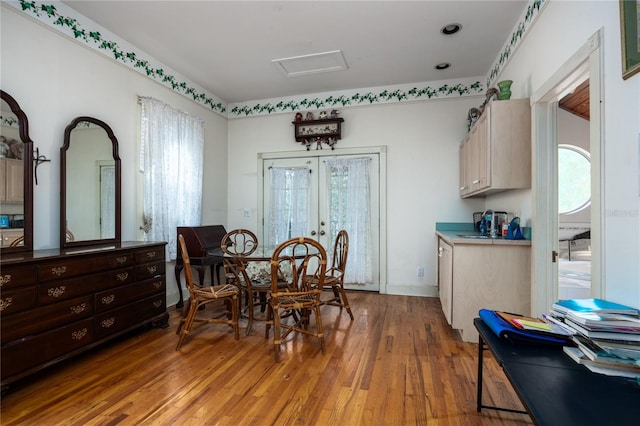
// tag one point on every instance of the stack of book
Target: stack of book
(606, 335)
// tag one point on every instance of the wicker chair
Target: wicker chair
(201, 296)
(296, 262)
(335, 275)
(237, 244)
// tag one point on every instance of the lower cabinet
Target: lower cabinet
(476, 276)
(56, 304)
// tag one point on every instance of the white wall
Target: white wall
(551, 42)
(422, 182)
(54, 80)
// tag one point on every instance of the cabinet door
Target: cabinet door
(445, 278)
(482, 149)
(3, 179)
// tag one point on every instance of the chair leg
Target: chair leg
(185, 312)
(276, 334)
(345, 301)
(234, 317)
(319, 328)
(186, 328)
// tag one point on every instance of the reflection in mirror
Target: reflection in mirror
(90, 179)
(16, 181)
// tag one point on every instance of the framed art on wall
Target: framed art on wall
(630, 32)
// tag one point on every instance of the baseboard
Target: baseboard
(412, 290)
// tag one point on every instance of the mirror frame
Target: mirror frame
(23, 128)
(63, 186)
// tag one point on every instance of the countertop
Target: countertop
(452, 234)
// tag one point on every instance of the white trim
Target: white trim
(586, 62)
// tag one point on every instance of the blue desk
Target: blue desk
(554, 389)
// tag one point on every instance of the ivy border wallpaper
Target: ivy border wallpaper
(48, 13)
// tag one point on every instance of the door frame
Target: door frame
(588, 60)
(381, 151)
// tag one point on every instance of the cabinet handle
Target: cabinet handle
(56, 291)
(5, 303)
(108, 322)
(440, 251)
(5, 279)
(107, 300)
(157, 284)
(151, 254)
(78, 308)
(157, 303)
(152, 269)
(462, 188)
(122, 276)
(476, 181)
(59, 271)
(121, 260)
(78, 335)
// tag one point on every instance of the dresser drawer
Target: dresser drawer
(12, 277)
(150, 270)
(123, 317)
(44, 318)
(17, 300)
(85, 265)
(115, 297)
(55, 291)
(150, 254)
(31, 351)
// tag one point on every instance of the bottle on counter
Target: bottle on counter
(505, 227)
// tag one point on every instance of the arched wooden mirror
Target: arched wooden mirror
(90, 184)
(16, 178)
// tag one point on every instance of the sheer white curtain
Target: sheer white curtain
(349, 193)
(289, 204)
(171, 160)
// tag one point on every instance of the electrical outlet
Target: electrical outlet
(420, 272)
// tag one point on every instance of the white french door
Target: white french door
(316, 197)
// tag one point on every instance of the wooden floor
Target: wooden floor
(397, 363)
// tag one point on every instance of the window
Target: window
(574, 179)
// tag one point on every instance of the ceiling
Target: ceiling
(577, 102)
(227, 47)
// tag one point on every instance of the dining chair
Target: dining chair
(296, 262)
(237, 244)
(201, 296)
(334, 279)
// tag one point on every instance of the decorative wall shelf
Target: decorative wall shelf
(328, 130)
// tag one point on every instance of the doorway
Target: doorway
(583, 65)
(318, 194)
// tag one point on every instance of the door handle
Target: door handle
(313, 232)
(554, 256)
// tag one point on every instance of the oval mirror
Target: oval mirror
(90, 184)
(16, 178)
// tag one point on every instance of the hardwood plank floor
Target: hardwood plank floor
(397, 363)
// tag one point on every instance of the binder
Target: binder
(512, 334)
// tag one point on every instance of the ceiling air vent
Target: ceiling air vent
(312, 64)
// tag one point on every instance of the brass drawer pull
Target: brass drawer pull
(122, 276)
(5, 303)
(108, 322)
(157, 284)
(157, 303)
(78, 308)
(121, 259)
(57, 291)
(59, 271)
(151, 254)
(78, 335)
(107, 300)
(5, 279)
(152, 269)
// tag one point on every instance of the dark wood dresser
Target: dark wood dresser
(55, 304)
